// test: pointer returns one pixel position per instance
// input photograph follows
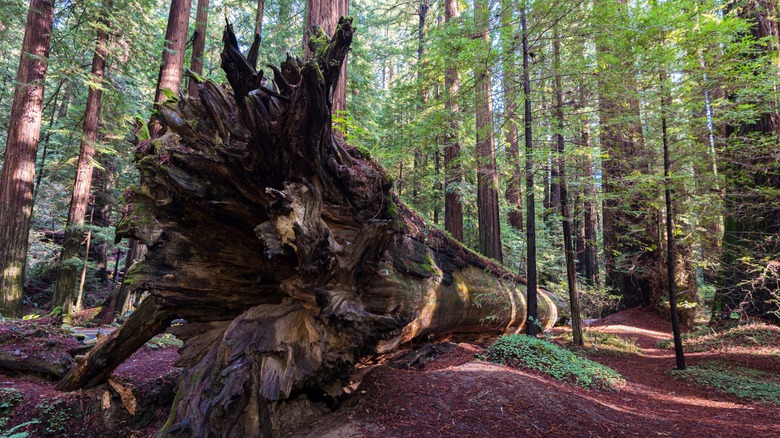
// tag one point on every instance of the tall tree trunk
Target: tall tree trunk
(514, 191)
(173, 53)
(453, 209)
(326, 13)
(21, 147)
(671, 259)
(750, 273)
(530, 204)
(259, 19)
(74, 230)
(199, 45)
(568, 248)
(296, 258)
(631, 228)
(420, 154)
(487, 176)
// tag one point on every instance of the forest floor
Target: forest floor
(451, 395)
(456, 395)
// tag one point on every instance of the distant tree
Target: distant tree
(631, 231)
(18, 174)
(750, 272)
(487, 176)
(173, 53)
(514, 194)
(74, 230)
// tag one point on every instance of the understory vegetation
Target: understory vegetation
(728, 377)
(521, 351)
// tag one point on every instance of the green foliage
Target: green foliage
(165, 340)
(755, 338)
(9, 399)
(731, 378)
(12, 432)
(56, 416)
(526, 352)
(604, 344)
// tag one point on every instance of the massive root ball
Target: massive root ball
(285, 251)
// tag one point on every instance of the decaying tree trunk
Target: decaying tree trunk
(285, 251)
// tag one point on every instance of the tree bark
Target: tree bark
(259, 18)
(18, 176)
(175, 46)
(453, 209)
(560, 148)
(530, 204)
(286, 252)
(199, 45)
(326, 13)
(74, 230)
(487, 176)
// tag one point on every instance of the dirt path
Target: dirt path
(457, 396)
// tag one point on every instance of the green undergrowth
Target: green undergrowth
(756, 336)
(601, 344)
(522, 351)
(731, 378)
(165, 340)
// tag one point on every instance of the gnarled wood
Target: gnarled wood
(287, 252)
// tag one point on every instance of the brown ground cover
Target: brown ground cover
(456, 395)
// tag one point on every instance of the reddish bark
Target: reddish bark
(18, 175)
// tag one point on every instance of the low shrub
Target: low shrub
(522, 351)
(745, 383)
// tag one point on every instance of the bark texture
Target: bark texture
(487, 176)
(286, 252)
(453, 209)
(199, 45)
(175, 46)
(325, 14)
(21, 147)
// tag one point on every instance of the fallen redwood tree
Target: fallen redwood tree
(285, 251)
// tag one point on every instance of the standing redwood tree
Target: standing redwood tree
(453, 209)
(74, 230)
(198, 45)
(286, 252)
(175, 46)
(487, 176)
(326, 13)
(18, 175)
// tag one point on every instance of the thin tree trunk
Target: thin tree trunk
(66, 283)
(57, 113)
(487, 176)
(453, 209)
(670, 254)
(530, 217)
(259, 19)
(420, 155)
(199, 45)
(571, 270)
(18, 175)
(83, 279)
